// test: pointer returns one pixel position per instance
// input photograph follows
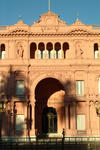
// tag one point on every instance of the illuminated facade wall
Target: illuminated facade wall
(49, 78)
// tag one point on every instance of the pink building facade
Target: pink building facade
(49, 78)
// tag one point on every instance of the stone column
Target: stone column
(66, 119)
(88, 118)
(60, 118)
(73, 118)
(25, 116)
(62, 54)
(32, 103)
(45, 50)
(36, 52)
(59, 123)
(53, 52)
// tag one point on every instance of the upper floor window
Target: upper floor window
(80, 87)
(96, 51)
(33, 48)
(41, 50)
(2, 51)
(20, 88)
(49, 47)
(58, 52)
(65, 48)
(49, 50)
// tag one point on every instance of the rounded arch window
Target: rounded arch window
(41, 46)
(57, 50)
(96, 51)
(65, 48)
(33, 48)
(49, 48)
(2, 52)
(41, 50)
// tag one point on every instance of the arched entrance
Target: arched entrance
(46, 116)
(49, 120)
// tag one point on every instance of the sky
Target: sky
(30, 10)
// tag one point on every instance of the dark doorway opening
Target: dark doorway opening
(49, 120)
(43, 91)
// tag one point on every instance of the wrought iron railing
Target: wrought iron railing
(64, 143)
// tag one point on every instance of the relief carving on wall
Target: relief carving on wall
(19, 50)
(78, 50)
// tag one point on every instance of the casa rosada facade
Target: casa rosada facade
(49, 78)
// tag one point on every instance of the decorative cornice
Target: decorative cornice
(72, 32)
(80, 31)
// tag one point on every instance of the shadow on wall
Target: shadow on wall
(14, 99)
(48, 93)
(70, 101)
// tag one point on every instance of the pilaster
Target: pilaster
(73, 119)
(88, 119)
(32, 103)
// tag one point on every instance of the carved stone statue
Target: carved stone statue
(79, 51)
(20, 50)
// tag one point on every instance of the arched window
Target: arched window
(57, 50)
(65, 48)
(2, 52)
(33, 48)
(41, 50)
(96, 51)
(49, 50)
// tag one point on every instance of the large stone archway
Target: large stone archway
(49, 93)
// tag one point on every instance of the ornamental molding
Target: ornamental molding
(50, 31)
(78, 32)
(19, 32)
(82, 32)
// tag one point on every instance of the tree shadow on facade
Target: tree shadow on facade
(14, 103)
(48, 93)
(71, 102)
